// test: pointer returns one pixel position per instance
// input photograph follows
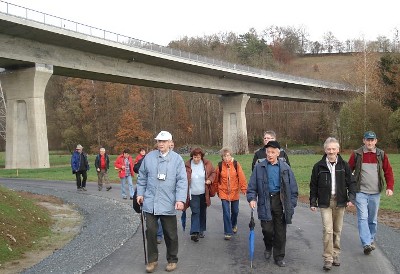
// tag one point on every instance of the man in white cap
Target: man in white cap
(80, 166)
(162, 189)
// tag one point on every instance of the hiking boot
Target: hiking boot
(280, 263)
(234, 229)
(367, 249)
(227, 237)
(194, 237)
(327, 265)
(267, 253)
(150, 267)
(170, 267)
(336, 261)
(108, 188)
(373, 246)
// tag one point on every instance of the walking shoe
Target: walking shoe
(170, 267)
(150, 267)
(336, 261)
(108, 188)
(124, 197)
(327, 265)
(84, 189)
(227, 237)
(280, 263)
(201, 234)
(267, 253)
(373, 246)
(194, 237)
(79, 189)
(159, 240)
(367, 249)
(100, 188)
(234, 229)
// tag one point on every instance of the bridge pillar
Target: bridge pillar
(234, 122)
(26, 130)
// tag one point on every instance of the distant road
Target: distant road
(215, 255)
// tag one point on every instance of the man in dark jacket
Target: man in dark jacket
(80, 166)
(259, 156)
(273, 189)
(102, 164)
(331, 189)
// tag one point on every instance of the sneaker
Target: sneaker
(373, 246)
(201, 234)
(227, 237)
(170, 267)
(159, 240)
(327, 265)
(150, 267)
(336, 261)
(267, 253)
(84, 189)
(367, 249)
(108, 188)
(194, 237)
(79, 189)
(234, 229)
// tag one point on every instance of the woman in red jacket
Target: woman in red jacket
(124, 165)
(229, 182)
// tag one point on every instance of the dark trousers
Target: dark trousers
(81, 182)
(168, 223)
(274, 231)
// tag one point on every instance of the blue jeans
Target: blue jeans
(199, 213)
(230, 211)
(367, 216)
(123, 183)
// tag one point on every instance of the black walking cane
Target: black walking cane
(143, 236)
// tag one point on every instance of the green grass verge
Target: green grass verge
(22, 224)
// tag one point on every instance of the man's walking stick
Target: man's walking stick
(143, 235)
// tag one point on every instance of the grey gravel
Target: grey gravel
(107, 225)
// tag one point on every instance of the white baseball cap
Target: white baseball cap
(163, 136)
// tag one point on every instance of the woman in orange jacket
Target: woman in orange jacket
(229, 182)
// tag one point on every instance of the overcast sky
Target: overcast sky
(160, 21)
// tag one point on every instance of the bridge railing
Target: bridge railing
(55, 21)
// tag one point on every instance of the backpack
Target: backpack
(137, 166)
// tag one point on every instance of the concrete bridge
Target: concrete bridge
(35, 46)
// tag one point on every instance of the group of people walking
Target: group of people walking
(166, 184)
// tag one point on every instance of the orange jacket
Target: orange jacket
(228, 183)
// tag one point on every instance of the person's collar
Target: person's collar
(328, 161)
(273, 164)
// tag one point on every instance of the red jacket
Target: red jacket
(119, 163)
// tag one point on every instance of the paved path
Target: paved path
(123, 252)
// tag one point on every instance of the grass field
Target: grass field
(301, 165)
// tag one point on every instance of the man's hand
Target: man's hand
(139, 200)
(389, 192)
(313, 208)
(208, 182)
(179, 205)
(98, 169)
(350, 204)
(253, 204)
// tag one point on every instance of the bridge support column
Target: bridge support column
(26, 130)
(234, 122)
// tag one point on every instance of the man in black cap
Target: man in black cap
(274, 186)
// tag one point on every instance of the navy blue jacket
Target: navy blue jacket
(257, 190)
(75, 161)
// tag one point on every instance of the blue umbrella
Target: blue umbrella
(183, 220)
(251, 239)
